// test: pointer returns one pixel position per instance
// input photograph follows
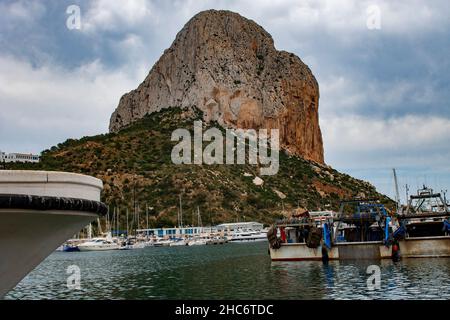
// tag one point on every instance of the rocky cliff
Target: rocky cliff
(228, 67)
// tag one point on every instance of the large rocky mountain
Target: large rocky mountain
(228, 67)
(224, 69)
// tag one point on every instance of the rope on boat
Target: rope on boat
(274, 242)
(30, 202)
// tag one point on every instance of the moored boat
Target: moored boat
(197, 242)
(178, 242)
(70, 248)
(247, 236)
(39, 211)
(370, 232)
(214, 240)
(99, 244)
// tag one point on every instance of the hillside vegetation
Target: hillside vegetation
(136, 169)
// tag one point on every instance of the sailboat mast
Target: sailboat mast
(100, 231)
(107, 219)
(127, 222)
(146, 214)
(137, 219)
(181, 214)
(199, 218)
(118, 223)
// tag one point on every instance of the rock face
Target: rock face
(228, 67)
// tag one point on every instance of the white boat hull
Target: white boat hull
(409, 248)
(27, 237)
(197, 243)
(241, 240)
(98, 248)
(178, 244)
(40, 210)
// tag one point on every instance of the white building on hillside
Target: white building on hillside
(18, 157)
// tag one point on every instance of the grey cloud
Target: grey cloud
(368, 79)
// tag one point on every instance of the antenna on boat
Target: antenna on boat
(397, 194)
(444, 192)
(407, 191)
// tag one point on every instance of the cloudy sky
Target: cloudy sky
(385, 92)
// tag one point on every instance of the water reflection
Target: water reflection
(233, 271)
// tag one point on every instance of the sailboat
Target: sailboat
(198, 241)
(99, 243)
(136, 242)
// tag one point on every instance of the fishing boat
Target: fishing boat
(39, 210)
(368, 231)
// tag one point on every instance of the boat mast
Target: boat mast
(107, 219)
(118, 223)
(397, 194)
(146, 214)
(138, 208)
(127, 222)
(100, 231)
(407, 192)
(181, 214)
(445, 200)
(199, 218)
(178, 214)
(113, 220)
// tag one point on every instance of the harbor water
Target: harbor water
(230, 271)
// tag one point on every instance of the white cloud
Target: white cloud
(113, 15)
(44, 106)
(355, 141)
(368, 148)
(23, 10)
(349, 16)
(360, 94)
